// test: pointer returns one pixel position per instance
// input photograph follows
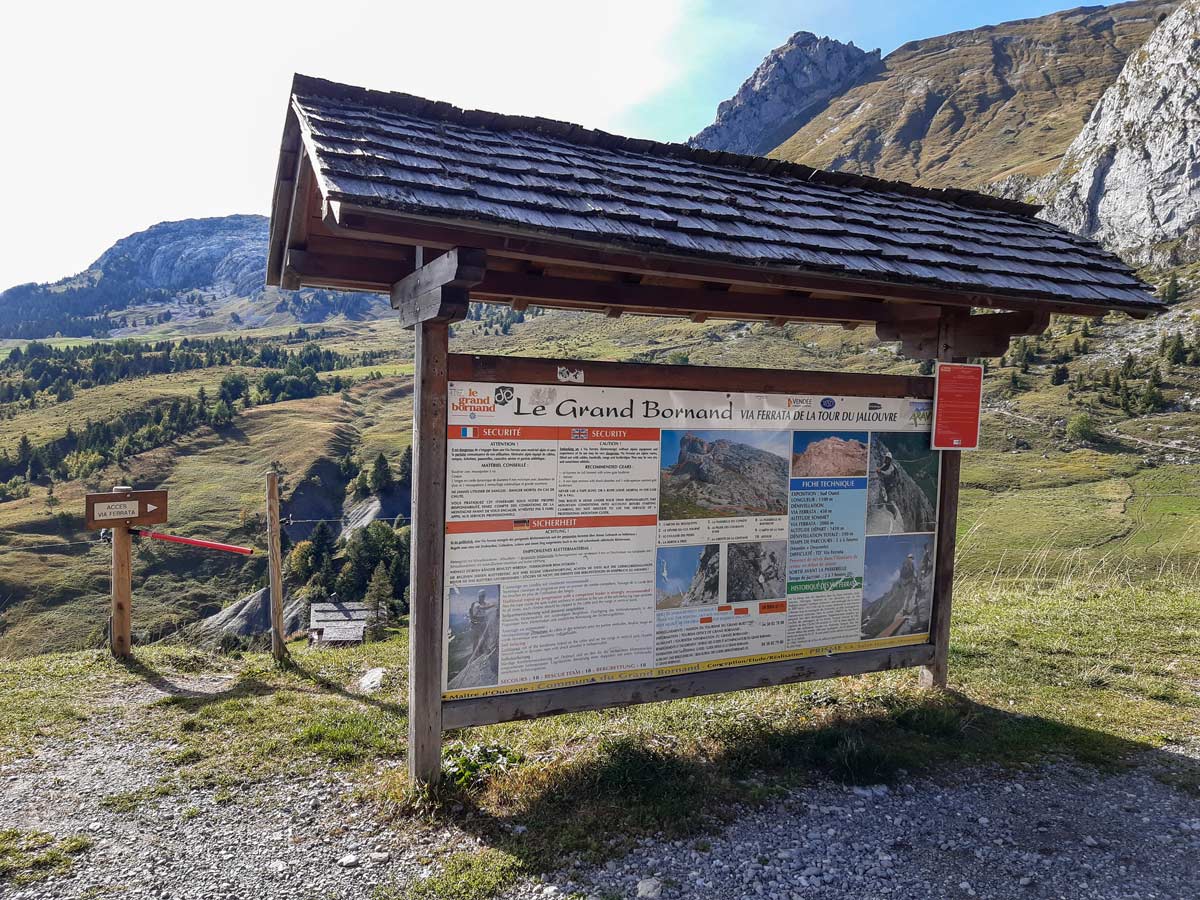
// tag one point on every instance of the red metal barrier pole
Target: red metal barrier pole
(192, 542)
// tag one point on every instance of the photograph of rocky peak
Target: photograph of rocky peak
(902, 483)
(687, 576)
(827, 454)
(898, 586)
(713, 474)
(756, 571)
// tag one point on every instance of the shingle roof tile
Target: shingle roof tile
(414, 156)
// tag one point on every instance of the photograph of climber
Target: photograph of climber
(901, 483)
(897, 586)
(473, 655)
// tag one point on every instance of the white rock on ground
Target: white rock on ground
(372, 681)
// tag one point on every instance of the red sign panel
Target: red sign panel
(957, 397)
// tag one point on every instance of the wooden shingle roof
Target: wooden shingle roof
(537, 177)
(336, 613)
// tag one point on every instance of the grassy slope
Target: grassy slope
(215, 480)
(1046, 508)
(108, 401)
(968, 108)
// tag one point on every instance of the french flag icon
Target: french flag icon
(468, 432)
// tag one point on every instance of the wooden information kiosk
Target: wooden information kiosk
(591, 534)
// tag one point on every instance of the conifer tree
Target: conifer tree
(380, 478)
(378, 600)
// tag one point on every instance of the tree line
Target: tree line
(56, 372)
(79, 453)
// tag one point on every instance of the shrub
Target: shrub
(1082, 427)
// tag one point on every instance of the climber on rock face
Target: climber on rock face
(889, 476)
(478, 615)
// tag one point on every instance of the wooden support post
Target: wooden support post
(120, 637)
(934, 674)
(426, 588)
(275, 565)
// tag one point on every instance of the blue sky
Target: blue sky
(132, 112)
(675, 568)
(722, 43)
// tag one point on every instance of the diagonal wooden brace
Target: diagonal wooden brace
(439, 290)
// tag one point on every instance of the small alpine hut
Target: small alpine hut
(337, 624)
(438, 206)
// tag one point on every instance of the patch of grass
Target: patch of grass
(29, 856)
(129, 801)
(350, 735)
(49, 696)
(479, 875)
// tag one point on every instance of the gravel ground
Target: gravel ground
(300, 838)
(1057, 831)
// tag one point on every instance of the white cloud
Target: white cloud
(120, 115)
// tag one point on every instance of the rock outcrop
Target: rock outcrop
(205, 274)
(247, 619)
(1131, 179)
(225, 254)
(705, 587)
(723, 477)
(793, 84)
(831, 457)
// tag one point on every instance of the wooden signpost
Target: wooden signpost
(275, 565)
(124, 512)
(120, 510)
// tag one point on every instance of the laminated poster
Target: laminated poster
(598, 534)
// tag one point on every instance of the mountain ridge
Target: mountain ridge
(203, 275)
(968, 108)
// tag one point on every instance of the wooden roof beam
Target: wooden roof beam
(439, 289)
(689, 302)
(380, 224)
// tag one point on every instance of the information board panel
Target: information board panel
(610, 533)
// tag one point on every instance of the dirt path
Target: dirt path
(295, 838)
(1054, 831)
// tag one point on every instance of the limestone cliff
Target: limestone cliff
(1131, 179)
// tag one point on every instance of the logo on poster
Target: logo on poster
(828, 403)
(920, 413)
(504, 394)
(472, 402)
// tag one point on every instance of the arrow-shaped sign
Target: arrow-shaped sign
(125, 507)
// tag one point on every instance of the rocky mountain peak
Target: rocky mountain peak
(1131, 178)
(791, 85)
(224, 254)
